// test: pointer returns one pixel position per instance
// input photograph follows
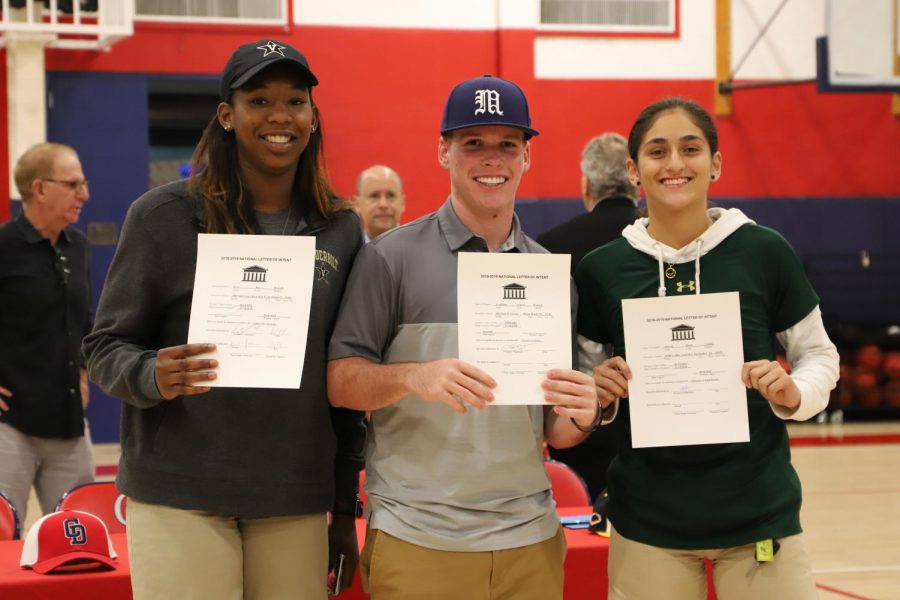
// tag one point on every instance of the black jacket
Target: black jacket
(246, 452)
(590, 230)
(578, 237)
(45, 303)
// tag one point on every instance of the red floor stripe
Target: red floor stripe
(847, 440)
(828, 588)
(107, 470)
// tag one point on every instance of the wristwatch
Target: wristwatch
(348, 507)
(595, 424)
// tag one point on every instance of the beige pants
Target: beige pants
(396, 570)
(641, 572)
(54, 466)
(194, 555)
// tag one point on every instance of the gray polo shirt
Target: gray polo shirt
(434, 477)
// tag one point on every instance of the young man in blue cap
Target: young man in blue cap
(459, 504)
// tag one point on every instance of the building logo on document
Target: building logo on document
(256, 274)
(513, 291)
(681, 333)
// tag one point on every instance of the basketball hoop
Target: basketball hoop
(64, 23)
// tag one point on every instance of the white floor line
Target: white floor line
(873, 569)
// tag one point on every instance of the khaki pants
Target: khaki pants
(194, 555)
(396, 570)
(54, 466)
(641, 572)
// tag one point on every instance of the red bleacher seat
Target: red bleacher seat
(568, 487)
(99, 498)
(9, 519)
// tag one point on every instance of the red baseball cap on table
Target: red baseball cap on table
(65, 538)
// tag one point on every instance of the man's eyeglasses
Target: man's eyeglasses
(73, 184)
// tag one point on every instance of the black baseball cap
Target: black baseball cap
(487, 100)
(250, 59)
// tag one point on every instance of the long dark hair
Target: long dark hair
(696, 113)
(216, 178)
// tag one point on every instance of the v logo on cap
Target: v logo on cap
(271, 48)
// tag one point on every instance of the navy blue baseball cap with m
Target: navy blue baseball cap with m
(487, 101)
(250, 59)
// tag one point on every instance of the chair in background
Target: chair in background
(9, 519)
(101, 499)
(568, 487)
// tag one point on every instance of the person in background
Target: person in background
(379, 200)
(611, 203)
(45, 311)
(734, 504)
(609, 197)
(229, 489)
(459, 503)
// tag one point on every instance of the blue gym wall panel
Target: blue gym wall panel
(849, 246)
(104, 116)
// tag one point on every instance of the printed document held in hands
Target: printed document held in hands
(515, 319)
(685, 355)
(252, 297)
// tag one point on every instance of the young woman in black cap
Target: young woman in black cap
(736, 504)
(229, 488)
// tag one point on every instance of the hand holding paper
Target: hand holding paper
(178, 373)
(611, 378)
(573, 393)
(454, 382)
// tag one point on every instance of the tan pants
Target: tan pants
(54, 466)
(392, 569)
(641, 572)
(194, 555)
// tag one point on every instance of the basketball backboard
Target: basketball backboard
(861, 48)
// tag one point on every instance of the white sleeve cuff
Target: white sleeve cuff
(814, 366)
(610, 413)
(590, 354)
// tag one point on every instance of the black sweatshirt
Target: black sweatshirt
(246, 452)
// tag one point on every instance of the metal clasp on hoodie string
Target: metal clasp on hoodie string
(660, 257)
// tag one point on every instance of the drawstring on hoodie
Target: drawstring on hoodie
(661, 290)
(660, 258)
(697, 264)
(723, 224)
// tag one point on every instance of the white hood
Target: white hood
(724, 223)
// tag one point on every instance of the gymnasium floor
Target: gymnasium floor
(851, 509)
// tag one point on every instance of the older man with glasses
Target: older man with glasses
(45, 301)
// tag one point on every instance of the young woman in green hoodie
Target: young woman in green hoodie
(671, 507)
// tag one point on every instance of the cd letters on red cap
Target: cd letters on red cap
(68, 538)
